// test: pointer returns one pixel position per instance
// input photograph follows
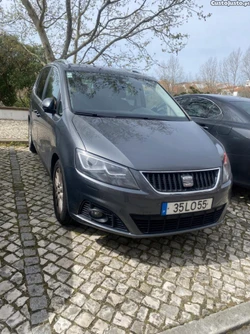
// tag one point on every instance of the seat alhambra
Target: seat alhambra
(122, 155)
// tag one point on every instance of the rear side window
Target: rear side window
(41, 82)
(244, 105)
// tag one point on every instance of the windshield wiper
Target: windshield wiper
(133, 117)
(83, 113)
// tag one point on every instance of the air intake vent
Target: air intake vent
(173, 223)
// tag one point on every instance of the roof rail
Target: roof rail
(135, 71)
(65, 61)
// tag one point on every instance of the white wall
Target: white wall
(14, 114)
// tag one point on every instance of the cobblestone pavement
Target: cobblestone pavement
(13, 130)
(243, 330)
(80, 280)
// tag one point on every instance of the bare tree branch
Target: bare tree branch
(69, 29)
(44, 8)
(40, 29)
(54, 21)
(94, 29)
(127, 34)
(33, 54)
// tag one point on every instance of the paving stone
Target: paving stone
(5, 312)
(78, 299)
(84, 319)
(38, 303)
(115, 299)
(21, 301)
(35, 290)
(129, 307)
(11, 258)
(75, 281)
(31, 260)
(142, 313)
(41, 329)
(106, 313)
(32, 269)
(12, 295)
(76, 330)
(61, 325)
(122, 320)
(39, 317)
(192, 308)
(17, 278)
(169, 311)
(5, 286)
(71, 312)
(34, 279)
(57, 304)
(15, 319)
(6, 271)
(151, 302)
(100, 327)
(24, 328)
(114, 330)
(91, 305)
(99, 294)
(51, 268)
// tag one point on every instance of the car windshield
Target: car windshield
(244, 105)
(111, 95)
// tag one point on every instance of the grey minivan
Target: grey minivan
(123, 156)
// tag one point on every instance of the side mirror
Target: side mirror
(49, 105)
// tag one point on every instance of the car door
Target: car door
(36, 103)
(203, 111)
(48, 121)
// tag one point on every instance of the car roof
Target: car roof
(100, 69)
(222, 98)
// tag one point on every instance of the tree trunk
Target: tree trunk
(41, 31)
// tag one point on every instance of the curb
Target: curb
(218, 323)
(13, 141)
(3, 140)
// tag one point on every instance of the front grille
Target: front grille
(113, 220)
(152, 224)
(172, 181)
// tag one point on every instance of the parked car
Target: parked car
(228, 119)
(122, 154)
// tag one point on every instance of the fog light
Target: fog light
(98, 215)
(95, 213)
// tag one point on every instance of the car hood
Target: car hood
(148, 144)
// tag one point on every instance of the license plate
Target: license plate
(187, 206)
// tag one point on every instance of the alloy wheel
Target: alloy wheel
(58, 184)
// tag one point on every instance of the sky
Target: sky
(227, 29)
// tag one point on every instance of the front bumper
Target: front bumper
(128, 204)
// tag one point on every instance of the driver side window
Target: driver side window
(53, 90)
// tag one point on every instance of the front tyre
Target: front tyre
(60, 196)
(31, 144)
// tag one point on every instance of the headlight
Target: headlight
(104, 171)
(226, 168)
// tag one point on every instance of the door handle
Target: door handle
(204, 126)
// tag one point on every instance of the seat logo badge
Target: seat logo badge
(187, 181)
